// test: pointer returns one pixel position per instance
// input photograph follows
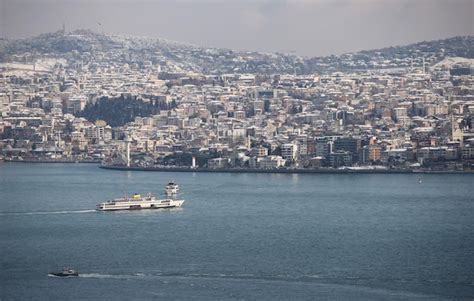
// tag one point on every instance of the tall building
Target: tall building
(371, 153)
(352, 145)
(289, 151)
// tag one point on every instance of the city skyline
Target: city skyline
(309, 149)
(82, 95)
(309, 28)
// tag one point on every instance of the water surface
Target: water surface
(238, 236)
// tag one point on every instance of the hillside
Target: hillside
(182, 57)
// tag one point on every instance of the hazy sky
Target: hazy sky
(308, 27)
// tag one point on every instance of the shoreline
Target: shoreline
(287, 171)
(246, 170)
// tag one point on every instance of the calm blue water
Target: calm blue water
(238, 236)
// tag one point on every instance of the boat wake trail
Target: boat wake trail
(177, 275)
(111, 276)
(55, 276)
(46, 212)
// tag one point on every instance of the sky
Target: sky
(305, 27)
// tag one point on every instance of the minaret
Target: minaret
(453, 128)
(194, 162)
(58, 142)
(52, 131)
(127, 146)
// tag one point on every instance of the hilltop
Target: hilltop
(185, 57)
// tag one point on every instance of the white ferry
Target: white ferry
(137, 202)
(171, 189)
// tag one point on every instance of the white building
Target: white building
(289, 151)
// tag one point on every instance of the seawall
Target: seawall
(285, 170)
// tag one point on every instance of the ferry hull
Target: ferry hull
(141, 208)
(130, 206)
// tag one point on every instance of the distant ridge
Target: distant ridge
(187, 57)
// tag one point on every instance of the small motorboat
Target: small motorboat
(66, 272)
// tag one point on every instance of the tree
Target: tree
(250, 112)
(276, 151)
(173, 104)
(294, 110)
(266, 105)
(117, 111)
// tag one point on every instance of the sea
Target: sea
(237, 236)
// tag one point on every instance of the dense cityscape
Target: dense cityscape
(149, 103)
(236, 150)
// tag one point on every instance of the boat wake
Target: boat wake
(46, 212)
(56, 276)
(168, 276)
(160, 275)
(111, 276)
